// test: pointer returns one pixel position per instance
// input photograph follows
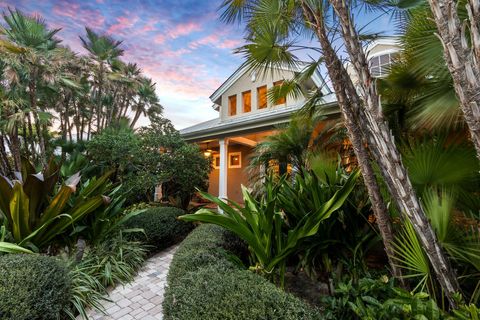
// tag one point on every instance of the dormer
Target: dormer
(245, 92)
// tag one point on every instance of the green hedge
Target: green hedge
(32, 287)
(162, 229)
(205, 282)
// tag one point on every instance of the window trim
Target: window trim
(239, 165)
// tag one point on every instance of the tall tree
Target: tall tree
(460, 37)
(274, 22)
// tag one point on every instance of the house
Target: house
(246, 117)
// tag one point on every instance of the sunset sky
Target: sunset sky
(181, 44)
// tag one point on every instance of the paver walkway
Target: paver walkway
(143, 297)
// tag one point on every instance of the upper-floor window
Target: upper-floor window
(380, 65)
(232, 105)
(281, 100)
(247, 101)
(262, 97)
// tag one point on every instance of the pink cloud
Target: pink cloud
(182, 29)
(79, 16)
(215, 41)
(122, 24)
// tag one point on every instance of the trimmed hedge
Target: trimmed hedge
(162, 229)
(32, 287)
(204, 282)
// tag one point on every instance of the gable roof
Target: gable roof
(227, 84)
(266, 119)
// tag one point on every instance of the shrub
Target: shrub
(161, 227)
(205, 281)
(32, 287)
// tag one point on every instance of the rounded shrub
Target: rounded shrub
(204, 282)
(161, 227)
(32, 287)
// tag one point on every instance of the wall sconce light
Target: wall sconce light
(208, 152)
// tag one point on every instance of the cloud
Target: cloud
(215, 40)
(78, 14)
(123, 23)
(181, 29)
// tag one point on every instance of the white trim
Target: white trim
(232, 154)
(223, 174)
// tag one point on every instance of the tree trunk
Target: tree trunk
(463, 61)
(137, 116)
(383, 148)
(33, 106)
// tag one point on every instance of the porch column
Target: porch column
(223, 174)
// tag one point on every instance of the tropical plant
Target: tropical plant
(265, 228)
(37, 211)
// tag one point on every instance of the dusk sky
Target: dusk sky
(181, 44)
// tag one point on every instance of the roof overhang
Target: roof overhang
(255, 124)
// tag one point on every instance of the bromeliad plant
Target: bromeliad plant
(264, 226)
(36, 209)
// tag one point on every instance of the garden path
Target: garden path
(142, 298)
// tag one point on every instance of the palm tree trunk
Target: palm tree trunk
(463, 61)
(33, 106)
(137, 116)
(6, 168)
(386, 154)
(31, 139)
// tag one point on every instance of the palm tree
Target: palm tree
(32, 47)
(458, 27)
(104, 50)
(271, 25)
(147, 98)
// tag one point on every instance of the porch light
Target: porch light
(207, 153)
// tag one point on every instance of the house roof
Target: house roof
(256, 120)
(316, 78)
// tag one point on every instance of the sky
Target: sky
(181, 44)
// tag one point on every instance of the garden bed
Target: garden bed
(208, 281)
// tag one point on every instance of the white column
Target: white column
(223, 176)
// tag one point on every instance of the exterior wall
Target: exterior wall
(245, 83)
(236, 176)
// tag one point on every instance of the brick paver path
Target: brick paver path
(143, 297)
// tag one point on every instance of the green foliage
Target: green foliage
(205, 283)
(86, 292)
(32, 287)
(154, 156)
(265, 228)
(115, 260)
(379, 299)
(37, 211)
(160, 226)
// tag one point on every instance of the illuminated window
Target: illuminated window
(235, 160)
(232, 105)
(262, 97)
(216, 161)
(282, 100)
(247, 101)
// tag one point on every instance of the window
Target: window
(380, 65)
(282, 100)
(262, 97)
(247, 101)
(235, 160)
(232, 105)
(216, 161)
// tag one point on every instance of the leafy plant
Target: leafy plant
(36, 211)
(114, 260)
(264, 226)
(379, 299)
